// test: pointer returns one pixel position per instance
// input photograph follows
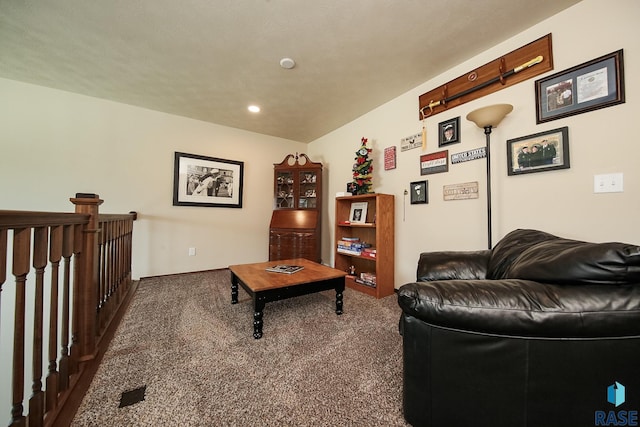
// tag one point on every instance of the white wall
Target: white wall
(55, 144)
(561, 202)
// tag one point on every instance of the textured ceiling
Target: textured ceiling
(210, 59)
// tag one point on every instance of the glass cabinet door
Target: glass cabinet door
(307, 190)
(284, 190)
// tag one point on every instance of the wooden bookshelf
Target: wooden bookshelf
(379, 231)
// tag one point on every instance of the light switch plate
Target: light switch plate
(608, 183)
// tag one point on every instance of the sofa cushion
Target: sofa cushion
(510, 247)
(525, 308)
(446, 265)
(564, 261)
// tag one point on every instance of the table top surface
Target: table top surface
(256, 277)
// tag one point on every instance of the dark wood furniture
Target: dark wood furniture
(294, 231)
(264, 286)
(378, 230)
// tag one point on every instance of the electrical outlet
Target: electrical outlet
(608, 183)
(192, 251)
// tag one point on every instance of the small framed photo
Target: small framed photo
(358, 214)
(207, 181)
(419, 192)
(596, 84)
(449, 132)
(539, 152)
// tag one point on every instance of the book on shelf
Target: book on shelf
(365, 283)
(286, 269)
(349, 251)
(368, 277)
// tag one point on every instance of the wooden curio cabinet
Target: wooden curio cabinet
(294, 231)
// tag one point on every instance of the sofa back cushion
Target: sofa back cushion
(564, 261)
(511, 247)
(543, 257)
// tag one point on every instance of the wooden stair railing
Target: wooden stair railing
(72, 283)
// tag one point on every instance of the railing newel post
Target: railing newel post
(87, 287)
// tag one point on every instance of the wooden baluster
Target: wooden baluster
(3, 259)
(55, 254)
(122, 236)
(36, 402)
(102, 271)
(77, 304)
(104, 285)
(67, 251)
(21, 257)
(113, 286)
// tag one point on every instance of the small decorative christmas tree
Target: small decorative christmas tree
(362, 169)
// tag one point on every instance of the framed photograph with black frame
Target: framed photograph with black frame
(449, 132)
(598, 83)
(539, 152)
(207, 181)
(419, 192)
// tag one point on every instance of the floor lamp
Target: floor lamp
(488, 118)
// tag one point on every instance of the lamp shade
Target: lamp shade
(489, 116)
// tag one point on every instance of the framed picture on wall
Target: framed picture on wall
(419, 192)
(539, 152)
(207, 181)
(449, 132)
(596, 84)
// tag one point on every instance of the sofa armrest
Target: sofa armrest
(449, 265)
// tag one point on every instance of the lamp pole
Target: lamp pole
(487, 118)
(487, 132)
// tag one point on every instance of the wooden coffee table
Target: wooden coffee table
(265, 286)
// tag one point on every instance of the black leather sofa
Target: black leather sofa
(540, 331)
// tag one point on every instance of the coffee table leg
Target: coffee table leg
(258, 307)
(339, 300)
(234, 289)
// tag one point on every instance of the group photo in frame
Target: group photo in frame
(419, 192)
(540, 152)
(595, 84)
(449, 132)
(207, 181)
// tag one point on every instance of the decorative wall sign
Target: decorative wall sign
(598, 83)
(390, 158)
(466, 190)
(411, 142)
(419, 192)
(207, 181)
(538, 152)
(449, 132)
(465, 156)
(434, 162)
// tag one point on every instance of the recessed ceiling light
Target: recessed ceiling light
(254, 108)
(287, 63)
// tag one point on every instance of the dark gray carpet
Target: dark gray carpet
(195, 353)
